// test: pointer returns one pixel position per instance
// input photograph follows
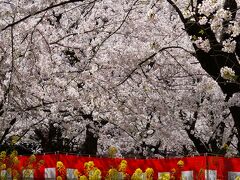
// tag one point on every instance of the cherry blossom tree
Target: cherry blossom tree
(149, 77)
(214, 29)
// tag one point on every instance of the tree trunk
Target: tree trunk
(90, 144)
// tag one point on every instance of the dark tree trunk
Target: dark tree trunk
(92, 134)
(90, 144)
(52, 140)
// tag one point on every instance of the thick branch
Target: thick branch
(190, 127)
(177, 10)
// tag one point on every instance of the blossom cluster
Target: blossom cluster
(234, 28)
(229, 45)
(228, 73)
(207, 7)
(203, 20)
(212, 13)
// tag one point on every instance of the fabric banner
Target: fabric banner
(62, 166)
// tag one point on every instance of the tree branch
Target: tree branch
(6, 132)
(177, 10)
(40, 11)
(148, 58)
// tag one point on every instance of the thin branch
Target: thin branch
(62, 38)
(148, 58)
(39, 12)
